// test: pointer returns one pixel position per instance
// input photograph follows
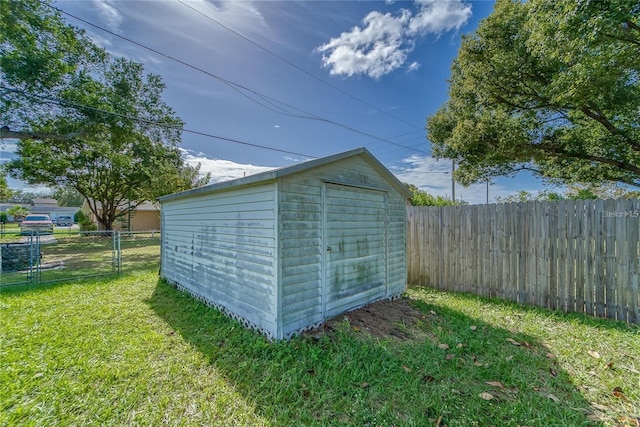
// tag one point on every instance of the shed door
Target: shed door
(355, 239)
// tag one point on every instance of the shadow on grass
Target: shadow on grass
(443, 372)
(559, 315)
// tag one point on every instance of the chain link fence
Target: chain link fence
(70, 254)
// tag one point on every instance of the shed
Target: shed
(284, 250)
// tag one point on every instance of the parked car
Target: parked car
(64, 221)
(36, 223)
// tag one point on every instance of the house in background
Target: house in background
(144, 217)
(42, 206)
(284, 250)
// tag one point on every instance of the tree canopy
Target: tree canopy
(86, 120)
(547, 86)
(5, 192)
(18, 212)
(422, 198)
(66, 196)
(574, 192)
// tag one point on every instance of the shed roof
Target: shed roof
(144, 206)
(289, 170)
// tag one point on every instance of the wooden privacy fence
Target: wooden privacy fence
(580, 256)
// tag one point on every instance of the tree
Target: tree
(39, 56)
(66, 196)
(579, 191)
(5, 191)
(599, 191)
(105, 131)
(547, 86)
(422, 198)
(525, 196)
(21, 197)
(18, 212)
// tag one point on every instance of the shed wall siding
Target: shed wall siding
(223, 249)
(301, 236)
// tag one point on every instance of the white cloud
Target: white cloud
(109, 14)
(222, 170)
(438, 16)
(434, 177)
(241, 16)
(384, 41)
(414, 66)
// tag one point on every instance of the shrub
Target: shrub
(84, 221)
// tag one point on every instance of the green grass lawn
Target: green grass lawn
(132, 350)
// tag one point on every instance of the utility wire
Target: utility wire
(237, 86)
(302, 70)
(62, 103)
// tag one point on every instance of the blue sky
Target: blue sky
(311, 78)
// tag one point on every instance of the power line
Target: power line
(63, 103)
(302, 70)
(237, 86)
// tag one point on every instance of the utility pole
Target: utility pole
(453, 181)
(487, 191)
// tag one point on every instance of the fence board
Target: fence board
(578, 256)
(577, 232)
(609, 256)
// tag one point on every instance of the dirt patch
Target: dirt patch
(383, 319)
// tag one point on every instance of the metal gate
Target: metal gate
(45, 258)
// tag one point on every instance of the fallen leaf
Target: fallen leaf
(610, 365)
(433, 313)
(594, 417)
(460, 345)
(486, 396)
(550, 356)
(406, 368)
(625, 421)
(508, 358)
(478, 363)
(495, 384)
(473, 328)
(553, 397)
(512, 341)
(526, 344)
(594, 354)
(553, 372)
(444, 346)
(617, 392)
(449, 356)
(365, 385)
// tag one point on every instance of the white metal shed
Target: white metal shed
(284, 250)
